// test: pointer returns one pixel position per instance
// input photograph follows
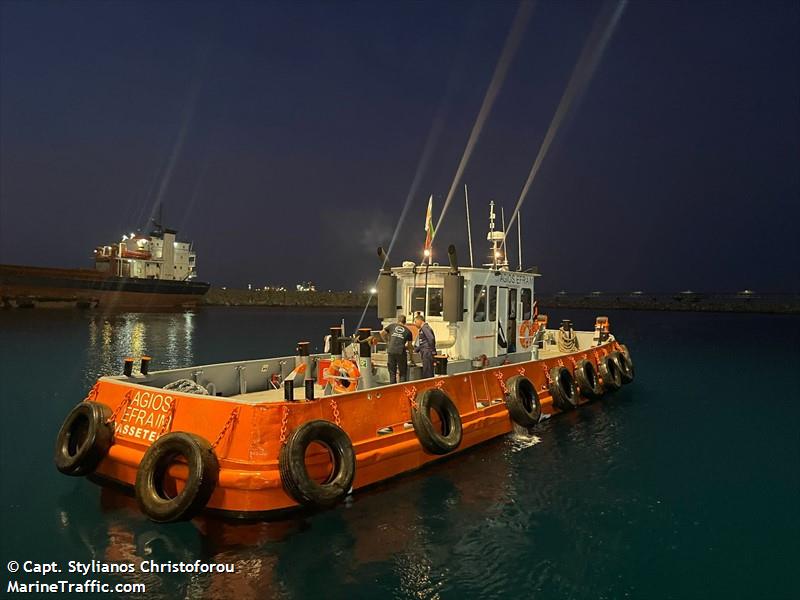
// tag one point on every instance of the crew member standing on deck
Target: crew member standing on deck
(398, 338)
(426, 342)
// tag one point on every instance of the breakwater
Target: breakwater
(694, 302)
(690, 302)
(235, 297)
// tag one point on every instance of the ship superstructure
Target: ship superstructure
(140, 271)
(155, 256)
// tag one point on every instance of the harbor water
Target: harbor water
(684, 484)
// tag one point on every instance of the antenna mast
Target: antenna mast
(519, 237)
(469, 229)
(503, 221)
(495, 237)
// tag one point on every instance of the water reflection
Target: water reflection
(169, 337)
(120, 534)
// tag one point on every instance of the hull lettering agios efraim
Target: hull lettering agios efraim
(259, 437)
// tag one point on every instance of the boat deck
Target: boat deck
(274, 395)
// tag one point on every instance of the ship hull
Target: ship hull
(249, 435)
(30, 286)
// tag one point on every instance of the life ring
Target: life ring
(562, 388)
(162, 505)
(610, 374)
(625, 364)
(522, 401)
(526, 333)
(432, 439)
(343, 375)
(587, 379)
(294, 472)
(84, 439)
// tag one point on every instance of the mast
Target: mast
(425, 308)
(469, 229)
(503, 245)
(519, 238)
(495, 238)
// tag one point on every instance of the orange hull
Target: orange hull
(249, 436)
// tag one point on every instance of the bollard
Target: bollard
(145, 368)
(335, 349)
(302, 357)
(440, 364)
(127, 368)
(309, 389)
(288, 390)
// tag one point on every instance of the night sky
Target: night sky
(283, 138)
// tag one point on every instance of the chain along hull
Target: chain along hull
(247, 437)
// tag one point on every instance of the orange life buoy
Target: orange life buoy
(343, 375)
(526, 333)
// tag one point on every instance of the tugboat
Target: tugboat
(140, 271)
(261, 437)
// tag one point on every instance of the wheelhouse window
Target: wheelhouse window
(435, 301)
(418, 300)
(479, 303)
(512, 304)
(493, 303)
(526, 304)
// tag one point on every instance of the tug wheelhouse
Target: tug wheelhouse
(487, 310)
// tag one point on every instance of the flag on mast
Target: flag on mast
(429, 231)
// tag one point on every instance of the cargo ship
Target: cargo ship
(259, 437)
(138, 272)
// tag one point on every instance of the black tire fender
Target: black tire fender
(609, 373)
(625, 365)
(626, 351)
(563, 389)
(587, 379)
(84, 439)
(203, 467)
(522, 401)
(294, 472)
(433, 440)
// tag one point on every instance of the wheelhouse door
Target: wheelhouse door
(511, 326)
(501, 315)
